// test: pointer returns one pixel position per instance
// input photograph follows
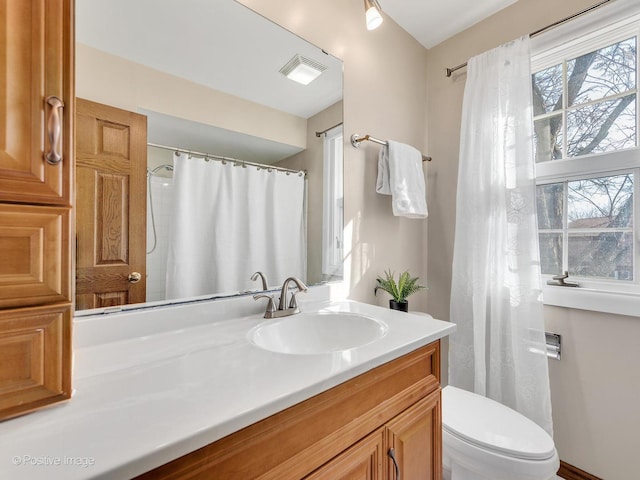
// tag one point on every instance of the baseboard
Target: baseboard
(569, 472)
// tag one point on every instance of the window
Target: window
(585, 105)
(333, 209)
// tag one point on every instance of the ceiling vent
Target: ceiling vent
(302, 70)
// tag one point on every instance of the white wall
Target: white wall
(595, 388)
(385, 96)
(115, 81)
(160, 194)
(312, 160)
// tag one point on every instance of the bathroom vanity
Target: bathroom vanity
(350, 428)
(186, 391)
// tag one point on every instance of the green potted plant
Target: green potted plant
(400, 290)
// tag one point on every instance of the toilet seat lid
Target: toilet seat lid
(492, 426)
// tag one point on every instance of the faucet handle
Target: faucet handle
(271, 306)
(294, 302)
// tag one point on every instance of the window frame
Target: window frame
(333, 204)
(591, 32)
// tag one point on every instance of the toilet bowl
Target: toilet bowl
(485, 440)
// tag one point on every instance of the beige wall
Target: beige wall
(112, 80)
(385, 96)
(595, 391)
(312, 160)
(595, 387)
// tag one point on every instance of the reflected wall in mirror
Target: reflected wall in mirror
(226, 135)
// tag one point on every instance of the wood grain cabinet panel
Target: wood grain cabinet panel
(36, 219)
(34, 255)
(35, 358)
(416, 439)
(363, 461)
(35, 42)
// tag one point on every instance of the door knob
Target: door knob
(134, 277)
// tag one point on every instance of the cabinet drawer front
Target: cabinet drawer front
(35, 358)
(34, 255)
(36, 44)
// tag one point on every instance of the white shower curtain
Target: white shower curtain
(229, 222)
(498, 348)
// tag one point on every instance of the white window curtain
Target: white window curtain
(499, 349)
(229, 222)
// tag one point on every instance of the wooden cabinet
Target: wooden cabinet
(34, 255)
(407, 447)
(37, 64)
(36, 217)
(415, 437)
(343, 433)
(36, 360)
(363, 461)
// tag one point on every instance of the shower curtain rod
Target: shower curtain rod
(449, 71)
(227, 159)
(318, 134)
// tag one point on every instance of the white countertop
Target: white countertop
(151, 387)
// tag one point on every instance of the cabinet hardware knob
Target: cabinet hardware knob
(54, 130)
(134, 277)
(392, 455)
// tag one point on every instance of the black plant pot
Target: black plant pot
(402, 306)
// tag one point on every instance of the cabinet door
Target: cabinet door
(414, 439)
(34, 255)
(363, 461)
(37, 63)
(35, 358)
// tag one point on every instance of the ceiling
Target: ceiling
(220, 44)
(223, 45)
(216, 43)
(431, 22)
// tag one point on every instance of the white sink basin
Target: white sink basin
(316, 333)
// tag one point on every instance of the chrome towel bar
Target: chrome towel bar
(357, 139)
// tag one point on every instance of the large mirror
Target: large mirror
(188, 122)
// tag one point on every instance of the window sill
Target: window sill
(619, 303)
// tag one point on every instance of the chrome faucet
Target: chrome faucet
(283, 309)
(293, 304)
(255, 276)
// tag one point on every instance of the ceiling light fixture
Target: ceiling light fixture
(373, 14)
(302, 70)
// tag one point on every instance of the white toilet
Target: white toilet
(485, 440)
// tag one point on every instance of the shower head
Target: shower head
(157, 169)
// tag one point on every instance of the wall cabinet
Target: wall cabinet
(343, 433)
(37, 64)
(36, 217)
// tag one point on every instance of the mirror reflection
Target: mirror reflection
(200, 161)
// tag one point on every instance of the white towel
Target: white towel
(400, 175)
